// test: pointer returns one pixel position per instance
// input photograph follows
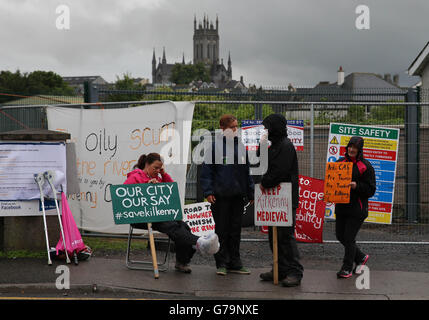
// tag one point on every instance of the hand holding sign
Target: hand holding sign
(338, 180)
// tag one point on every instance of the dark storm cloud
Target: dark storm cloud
(271, 42)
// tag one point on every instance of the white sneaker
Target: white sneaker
(208, 244)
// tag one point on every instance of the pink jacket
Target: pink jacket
(139, 176)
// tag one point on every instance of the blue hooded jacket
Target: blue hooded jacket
(227, 174)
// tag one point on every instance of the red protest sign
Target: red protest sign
(311, 211)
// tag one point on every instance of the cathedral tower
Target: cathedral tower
(206, 41)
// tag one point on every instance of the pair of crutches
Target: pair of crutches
(40, 179)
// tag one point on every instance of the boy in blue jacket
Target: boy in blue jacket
(226, 183)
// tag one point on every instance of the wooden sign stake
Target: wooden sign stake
(275, 257)
(153, 251)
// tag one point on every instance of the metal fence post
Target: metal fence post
(258, 111)
(90, 93)
(312, 140)
(412, 157)
(200, 194)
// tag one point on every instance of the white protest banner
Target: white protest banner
(108, 143)
(198, 216)
(273, 207)
(252, 130)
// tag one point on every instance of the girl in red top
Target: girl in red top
(150, 169)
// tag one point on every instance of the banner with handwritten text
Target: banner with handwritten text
(199, 217)
(311, 211)
(338, 176)
(108, 143)
(273, 207)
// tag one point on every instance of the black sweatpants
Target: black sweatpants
(346, 230)
(227, 214)
(288, 254)
(180, 233)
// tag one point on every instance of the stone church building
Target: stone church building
(206, 50)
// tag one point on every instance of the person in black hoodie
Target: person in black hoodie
(350, 216)
(226, 183)
(283, 167)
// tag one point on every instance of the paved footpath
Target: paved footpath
(111, 275)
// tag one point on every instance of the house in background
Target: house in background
(78, 82)
(420, 67)
(359, 86)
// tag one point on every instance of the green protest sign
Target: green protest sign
(147, 202)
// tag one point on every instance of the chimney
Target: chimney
(340, 76)
(387, 78)
(396, 79)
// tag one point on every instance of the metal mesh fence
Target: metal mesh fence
(317, 112)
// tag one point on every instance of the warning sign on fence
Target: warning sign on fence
(381, 150)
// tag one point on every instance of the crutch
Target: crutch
(50, 175)
(40, 180)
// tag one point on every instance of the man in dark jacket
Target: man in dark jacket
(350, 216)
(226, 183)
(283, 167)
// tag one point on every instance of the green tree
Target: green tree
(130, 91)
(29, 84)
(186, 73)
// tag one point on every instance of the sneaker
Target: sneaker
(344, 274)
(221, 271)
(182, 267)
(242, 270)
(269, 276)
(291, 281)
(359, 267)
(208, 244)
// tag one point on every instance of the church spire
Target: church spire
(153, 66)
(229, 71)
(164, 60)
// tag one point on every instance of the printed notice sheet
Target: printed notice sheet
(20, 161)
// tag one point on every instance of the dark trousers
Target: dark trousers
(227, 214)
(346, 230)
(288, 254)
(180, 233)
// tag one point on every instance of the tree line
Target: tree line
(17, 84)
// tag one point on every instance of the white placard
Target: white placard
(273, 207)
(199, 218)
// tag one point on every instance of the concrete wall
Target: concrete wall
(27, 233)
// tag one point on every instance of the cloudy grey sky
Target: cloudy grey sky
(272, 42)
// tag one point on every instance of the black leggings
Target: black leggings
(346, 230)
(288, 254)
(180, 233)
(227, 214)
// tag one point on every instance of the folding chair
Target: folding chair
(140, 264)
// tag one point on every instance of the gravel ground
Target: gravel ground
(255, 251)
